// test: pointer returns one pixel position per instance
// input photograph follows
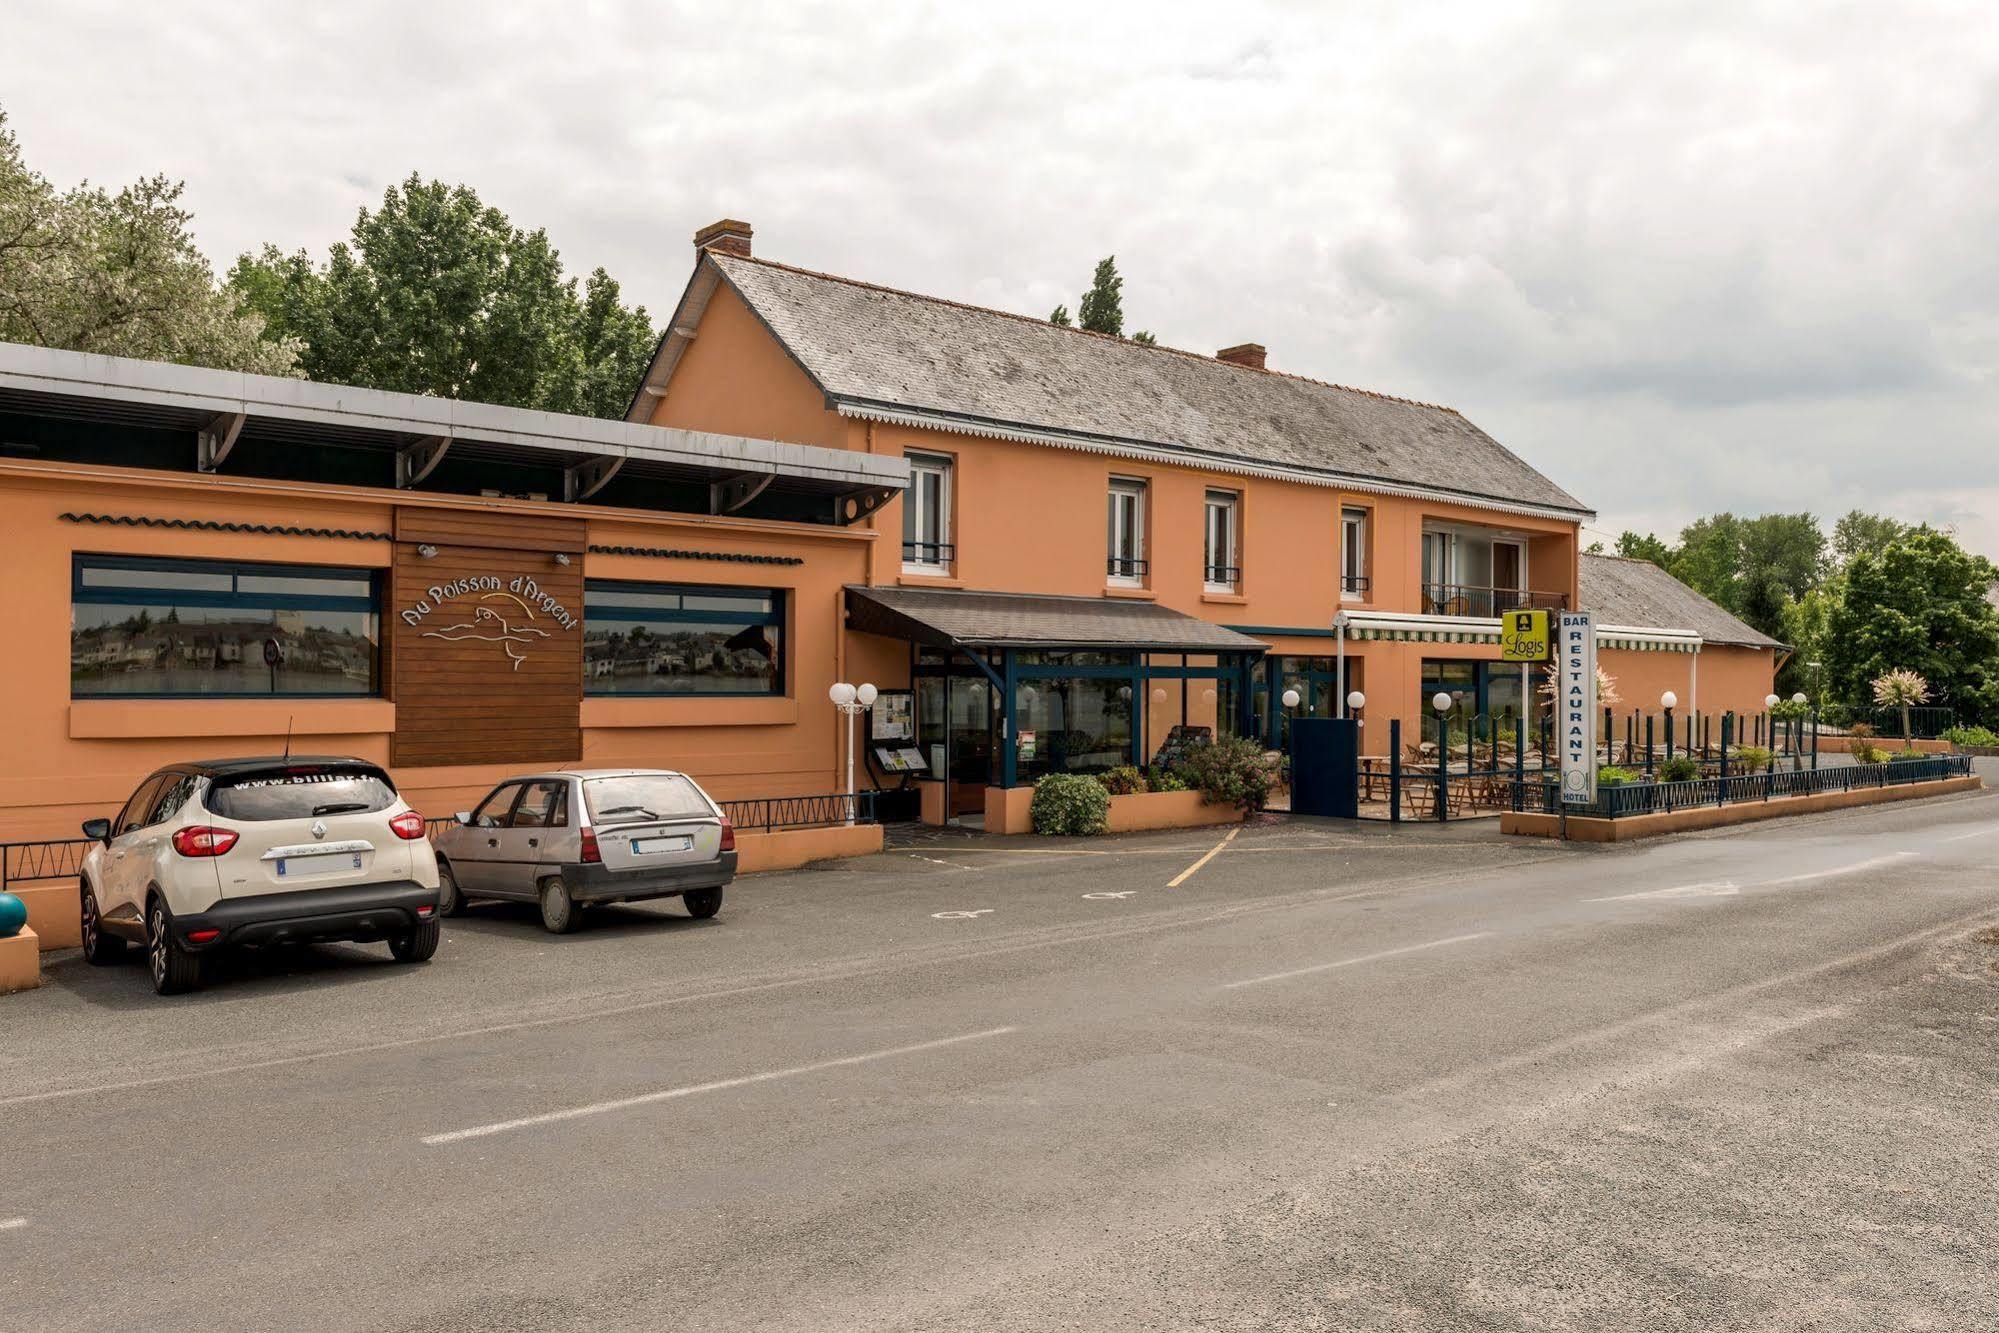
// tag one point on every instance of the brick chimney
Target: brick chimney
(1242, 354)
(728, 237)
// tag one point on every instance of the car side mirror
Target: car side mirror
(464, 817)
(97, 830)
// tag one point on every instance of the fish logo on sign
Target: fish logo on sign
(489, 625)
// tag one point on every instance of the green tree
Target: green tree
(437, 293)
(1144, 338)
(119, 274)
(1647, 547)
(1782, 557)
(1102, 308)
(1918, 604)
(1857, 531)
(1060, 315)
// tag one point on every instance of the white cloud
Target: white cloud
(1680, 256)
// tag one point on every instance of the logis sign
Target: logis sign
(1575, 711)
(511, 614)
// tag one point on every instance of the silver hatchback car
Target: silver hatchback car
(577, 836)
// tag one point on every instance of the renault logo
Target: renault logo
(318, 829)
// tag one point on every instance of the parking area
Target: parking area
(1289, 1075)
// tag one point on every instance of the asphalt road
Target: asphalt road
(1327, 1076)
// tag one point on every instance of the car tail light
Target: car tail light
(425, 912)
(408, 825)
(202, 840)
(728, 835)
(203, 936)
(590, 852)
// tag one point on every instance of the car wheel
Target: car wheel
(702, 903)
(174, 969)
(419, 944)
(450, 902)
(560, 913)
(99, 949)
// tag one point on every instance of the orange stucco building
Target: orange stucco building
(1365, 543)
(1048, 548)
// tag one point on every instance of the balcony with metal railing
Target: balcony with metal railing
(1464, 599)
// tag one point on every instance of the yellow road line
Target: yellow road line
(1211, 854)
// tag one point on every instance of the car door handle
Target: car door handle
(492, 842)
(534, 842)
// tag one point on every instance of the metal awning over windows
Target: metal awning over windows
(76, 407)
(947, 618)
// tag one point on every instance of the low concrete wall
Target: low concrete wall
(1007, 809)
(54, 911)
(784, 849)
(20, 961)
(1167, 809)
(1592, 829)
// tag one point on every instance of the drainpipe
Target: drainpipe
(1340, 638)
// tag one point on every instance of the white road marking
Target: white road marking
(1212, 853)
(1730, 889)
(1112, 893)
(1975, 833)
(935, 862)
(1352, 962)
(1723, 889)
(961, 915)
(13, 1224)
(696, 1089)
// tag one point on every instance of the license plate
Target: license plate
(648, 846)
(318, 865)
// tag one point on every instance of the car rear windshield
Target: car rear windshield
(641, 798)
(301, 793)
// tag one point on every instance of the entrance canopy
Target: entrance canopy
(946, 618)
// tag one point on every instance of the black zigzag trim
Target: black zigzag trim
(668, 553)
(209, 525)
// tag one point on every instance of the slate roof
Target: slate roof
(1639, 593)
(873, 346)
(941, 617)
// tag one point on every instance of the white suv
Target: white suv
(206, 856)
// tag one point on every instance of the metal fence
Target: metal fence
(768, 813)
(1614, 801)
(27, 862)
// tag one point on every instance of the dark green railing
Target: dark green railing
(1614, 801)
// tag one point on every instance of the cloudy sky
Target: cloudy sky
(1682, 257)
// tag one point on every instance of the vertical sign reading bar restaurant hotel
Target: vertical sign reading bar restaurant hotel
(1575, 709)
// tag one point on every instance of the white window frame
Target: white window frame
(1125, 531)
(1228, 504)
(942, 467)
(1353, 521)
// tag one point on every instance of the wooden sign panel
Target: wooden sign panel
(486, 640)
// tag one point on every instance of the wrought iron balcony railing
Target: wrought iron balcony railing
(1222, 576)
(1355, 585)
(1124, 567)
(929, 553)
(1464, 599)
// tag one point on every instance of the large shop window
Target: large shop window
(667, 638)
(218, 629)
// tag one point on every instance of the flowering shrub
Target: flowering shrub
(1229, 771)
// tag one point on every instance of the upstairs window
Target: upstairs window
(1354, 584)
(926, 516)
(1126, 566)
(219, 629)
(1222, 562)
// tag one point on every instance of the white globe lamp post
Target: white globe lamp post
(851, 701)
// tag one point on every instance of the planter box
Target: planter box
(20, 961)
(1591, 828)
(1167, 809)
